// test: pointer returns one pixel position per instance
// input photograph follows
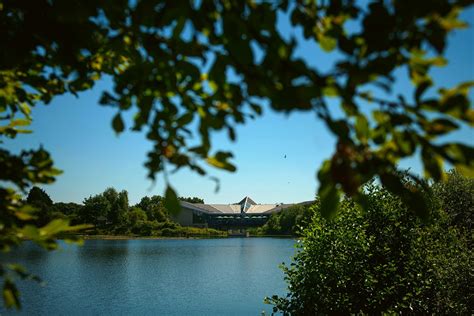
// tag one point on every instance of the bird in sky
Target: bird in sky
(285, 156)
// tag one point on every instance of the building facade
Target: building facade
(245, 213)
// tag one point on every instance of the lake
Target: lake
(228, 276)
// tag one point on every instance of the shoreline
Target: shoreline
(125, 237)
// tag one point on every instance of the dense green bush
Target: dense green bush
(456, 197)
(382, 260)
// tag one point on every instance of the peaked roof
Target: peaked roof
(247, 200)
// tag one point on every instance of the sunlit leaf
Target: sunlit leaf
(11, 295)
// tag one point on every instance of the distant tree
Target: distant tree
(111, 195)
(136, 218)
(154, 208)
(110, 206)
(191, 199)
(120, 208)
(136, 214)
(95, 207)
(43, 204)
(69, 209)
(38, 196)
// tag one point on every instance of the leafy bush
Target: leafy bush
(456, 197)
(382, 260)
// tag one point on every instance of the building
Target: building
(245, 213)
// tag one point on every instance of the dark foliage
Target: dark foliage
(43, 205)
(456, 197)
(382, 260)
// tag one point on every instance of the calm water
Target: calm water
(155, 277)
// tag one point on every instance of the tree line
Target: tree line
(110, 213)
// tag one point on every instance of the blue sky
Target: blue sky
(78, 133)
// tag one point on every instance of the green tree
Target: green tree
(118, 205)
(43, 204)
(136, 219)
(69, 209)
(169, 63)
(136, 214)
(96, 210)
(110, 206)
(154, 208)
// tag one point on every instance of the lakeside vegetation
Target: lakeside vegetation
(382, 259)
(111, 215)
(289, 222)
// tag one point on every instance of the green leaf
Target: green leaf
(54, 227)
(179, 27)
(458, 153)
(467, 171)
(256, 108)
(171, 201)
(405, 143)
(328, 193)
(185, 119)
(421, 88)
(20, 122)
(11, 296)
(440, 126)
(219, 160)
(433, 164)
(327, 43)
(330, 198)
(29, 232)
(24, 216)
(362, 128)
(117, 124)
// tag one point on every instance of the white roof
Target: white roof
(261, 208)
(226, 208)
(245, 206)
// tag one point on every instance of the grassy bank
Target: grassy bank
(169, 232)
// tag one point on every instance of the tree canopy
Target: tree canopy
(171, 63)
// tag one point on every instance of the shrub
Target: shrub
(168, 232)
(456, 197)
(381, 260)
